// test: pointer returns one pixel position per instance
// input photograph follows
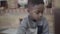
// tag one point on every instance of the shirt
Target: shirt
(28, 26)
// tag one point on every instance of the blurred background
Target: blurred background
(13, 11)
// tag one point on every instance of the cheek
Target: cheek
(34, 16)
(40, 15)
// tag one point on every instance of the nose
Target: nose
(40, 14)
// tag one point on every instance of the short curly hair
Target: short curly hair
(35, 2)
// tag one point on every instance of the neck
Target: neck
(33, 19)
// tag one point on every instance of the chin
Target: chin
(36, 19)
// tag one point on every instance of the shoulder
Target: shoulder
(25, 19)
(44, 18)
(45, 21)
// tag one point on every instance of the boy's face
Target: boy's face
(36, 11)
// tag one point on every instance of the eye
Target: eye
(38, 12)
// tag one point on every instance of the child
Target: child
(35, 23)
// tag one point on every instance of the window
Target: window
(3, 3)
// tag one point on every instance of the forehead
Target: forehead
(36, 8)
(40, 6)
